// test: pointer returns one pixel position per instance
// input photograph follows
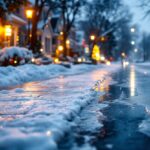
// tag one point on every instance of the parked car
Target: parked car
(42, 60)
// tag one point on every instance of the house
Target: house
(57, 37)
(45, 35)
(12, 32)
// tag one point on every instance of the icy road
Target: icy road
(103, 108)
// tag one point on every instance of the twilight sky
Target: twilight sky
(138, 14)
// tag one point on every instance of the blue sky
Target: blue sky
(138, 14)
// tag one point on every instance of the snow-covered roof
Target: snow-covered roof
(19, 20)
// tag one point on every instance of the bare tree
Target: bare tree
(68, 10)
(145, 5)
(145, 46)
(99, 13)
(8, 6)
(104, 18)
(38, 7)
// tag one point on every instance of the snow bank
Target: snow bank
(44, 125)
(10, 75)
(10, 52)
(33, 117)
(17, 75)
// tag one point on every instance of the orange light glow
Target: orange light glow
(29, 13)
(68, 42)
(56, 60)
(8, 30)
(92, 37)
(61, 33)
(102, 39)
(60, 48)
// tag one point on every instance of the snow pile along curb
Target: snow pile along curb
(18, 75)
(42, 133)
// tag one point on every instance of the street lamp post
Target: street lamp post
(29, 14)
(132, 30)
(92, 38)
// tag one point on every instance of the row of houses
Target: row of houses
(15, 33)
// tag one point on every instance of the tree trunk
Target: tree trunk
(34, 34)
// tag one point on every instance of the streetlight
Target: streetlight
(92, 37)
(8, 33)
(67, 42)
(29, 15)
(135, 50)
(132, 30)
(123, 54)
(132, 42)
(60, 48)
(61, 33)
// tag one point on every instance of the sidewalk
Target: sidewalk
(37, 115)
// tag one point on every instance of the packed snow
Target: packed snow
(9, 52)
(17, 75)
(32, 116)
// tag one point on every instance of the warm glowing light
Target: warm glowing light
(92, 37)
(41, 50)
(102, 39)
(15, 61)
(68, 42)
(61, 33)
(108, 63)
(123, 54)
(79, 60)
(96, 53)
(8, 30)
(102, 58)
(60, 48)
(29, 13)
(56, 60)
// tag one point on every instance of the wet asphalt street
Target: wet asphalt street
(128, 101)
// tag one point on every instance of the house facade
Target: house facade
(45, 36)
(12, 32)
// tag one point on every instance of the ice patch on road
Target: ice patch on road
(84, 147)
(144, 127)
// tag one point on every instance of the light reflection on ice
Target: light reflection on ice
(132, 81)
(48, 133)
